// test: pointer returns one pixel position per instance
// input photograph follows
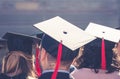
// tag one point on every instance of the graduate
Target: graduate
(96, 61)
(18, 63)
(59, 46)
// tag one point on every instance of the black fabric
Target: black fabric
(19, 42)
(92, 54)
(72, 68)
(20, 76)
(51, 46)
(15, 44)
(60, 75)
(40, 36)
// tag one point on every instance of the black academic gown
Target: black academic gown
(60, 75)
(20, 76)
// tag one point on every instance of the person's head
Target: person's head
(20, 43)
(50, 50)
(103, 33)
(91, 57)
(17, 62)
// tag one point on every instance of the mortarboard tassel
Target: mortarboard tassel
(103, 56)
(54, 75)
(37, 65)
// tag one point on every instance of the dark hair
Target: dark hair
(91, 57)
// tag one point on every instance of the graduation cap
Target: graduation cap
(20, 42)
(61, 37)
(102, 31)
(106, 33)
(61, 30)
(92, 54)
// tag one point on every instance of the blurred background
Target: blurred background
(20, 15)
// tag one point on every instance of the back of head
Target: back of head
(17, 62)
(91, 57)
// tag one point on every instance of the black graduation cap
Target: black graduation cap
(104, 32)
(20, 42)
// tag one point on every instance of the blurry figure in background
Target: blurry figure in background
(96, 61)
(59, 46)
(18, 63)
(3, 44)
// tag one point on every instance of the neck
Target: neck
(52, 67)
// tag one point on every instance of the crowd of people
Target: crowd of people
(56, 59)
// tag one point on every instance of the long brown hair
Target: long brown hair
(18, 61)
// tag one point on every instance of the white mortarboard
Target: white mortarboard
(102, 31)
(61, 30)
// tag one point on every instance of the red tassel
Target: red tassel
(37, 65)
(103, 56)
(54, 75)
